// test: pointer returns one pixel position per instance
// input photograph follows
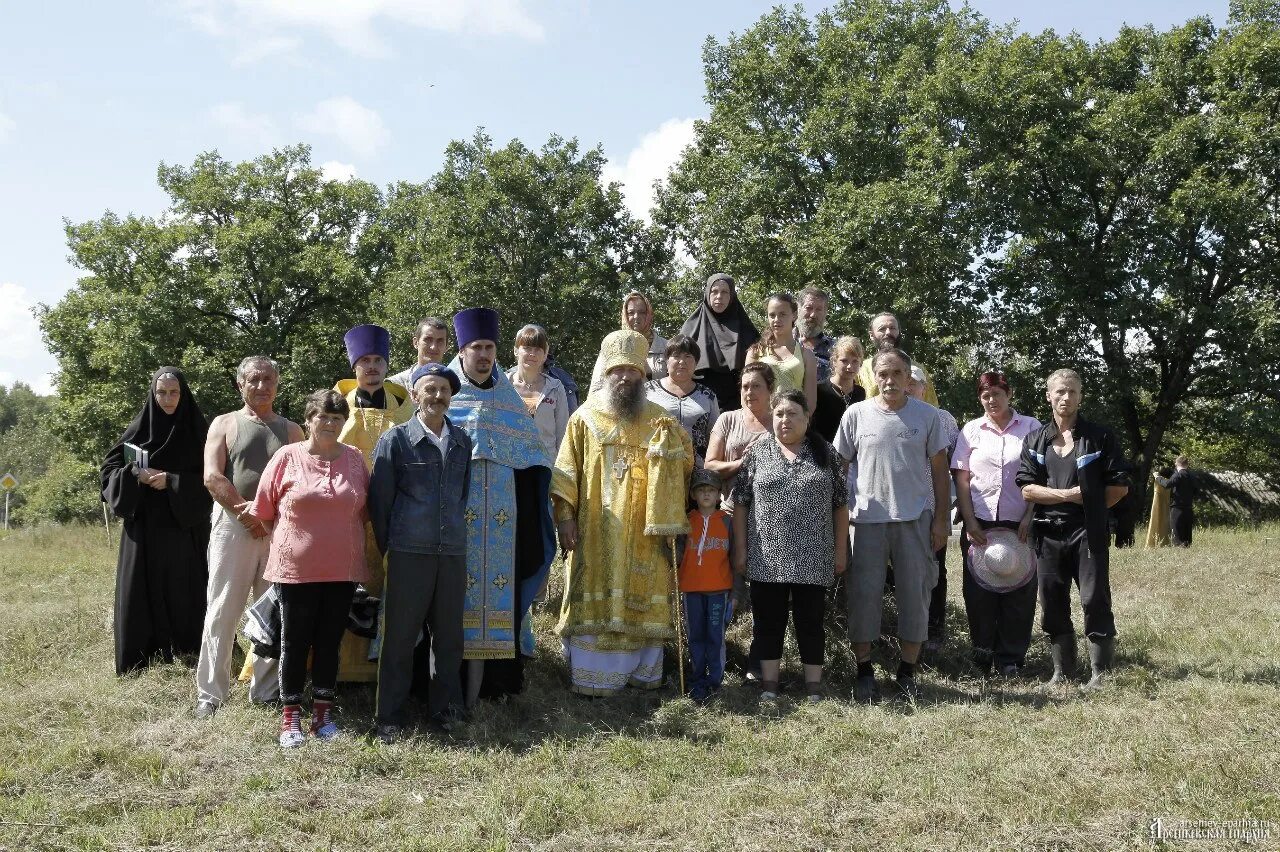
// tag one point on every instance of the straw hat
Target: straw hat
(1004, 563)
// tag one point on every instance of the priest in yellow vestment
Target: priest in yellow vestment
(376, 406)
(619, 491)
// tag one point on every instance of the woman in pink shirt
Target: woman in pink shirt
(984, 464)
(314, 492)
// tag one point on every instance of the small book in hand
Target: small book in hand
(135, 455)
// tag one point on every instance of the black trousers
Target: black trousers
(999, 622)
(1065, 557)
(938, 601)
(421, 588)
(770, 603)
(313, 618)
(1181, 522)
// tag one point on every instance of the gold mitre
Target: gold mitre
(624, 348)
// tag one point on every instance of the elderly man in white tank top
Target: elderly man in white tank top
(239, 445)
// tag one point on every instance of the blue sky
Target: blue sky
(94, 95)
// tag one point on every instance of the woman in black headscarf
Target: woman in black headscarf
(162, 572)
(723, 331)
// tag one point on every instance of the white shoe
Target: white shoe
(292, 738)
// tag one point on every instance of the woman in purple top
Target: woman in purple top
(984, 464)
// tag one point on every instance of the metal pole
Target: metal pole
(6, 510)
(106, 522)
(678, 613)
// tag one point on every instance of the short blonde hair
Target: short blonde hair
(849, 343)
(1063, 374)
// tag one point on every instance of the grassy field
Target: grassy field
(1188, 731)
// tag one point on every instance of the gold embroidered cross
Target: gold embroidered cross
(620, 468)
(500, 581)
(470, 516)
(502, 517)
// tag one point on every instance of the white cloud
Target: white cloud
(255, 130)
(650, 161)
(360, 129)
(7, 125)
(354, 125)
(352, 24)
(24, 357)
(335, 171)
(251, 50)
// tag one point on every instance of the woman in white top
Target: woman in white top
(543, 395)
(545, 398)
(693, 404)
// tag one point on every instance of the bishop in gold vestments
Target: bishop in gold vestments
(619, 491)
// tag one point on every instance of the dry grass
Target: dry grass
(1188, 731)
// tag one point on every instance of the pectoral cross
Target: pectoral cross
(620, 468)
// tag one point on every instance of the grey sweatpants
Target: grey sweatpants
(419, 588)
(915, 572)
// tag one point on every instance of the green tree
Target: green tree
(27, 442)
(256, 257)
(1022, 201)
(828, 159)
(533, 234)
(1135, 181)
(19, 402)
(67, 492)
(54, 486)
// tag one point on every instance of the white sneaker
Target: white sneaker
(292, 738)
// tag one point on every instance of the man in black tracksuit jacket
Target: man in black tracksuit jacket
(1074, 472)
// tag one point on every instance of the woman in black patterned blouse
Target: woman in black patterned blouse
(693, 404)
(793, 549)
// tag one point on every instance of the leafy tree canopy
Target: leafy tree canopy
(262, 257)
(533, 234)
(268, 257)
(1021, 201)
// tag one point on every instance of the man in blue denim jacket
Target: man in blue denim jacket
(417, 499)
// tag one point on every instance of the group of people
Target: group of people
(403, 531)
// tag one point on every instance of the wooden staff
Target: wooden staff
(677, 612)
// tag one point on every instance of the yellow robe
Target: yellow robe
(619, 579)
(867, 379)
(1158, 532)
(362, 430)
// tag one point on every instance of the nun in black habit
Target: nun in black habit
(723, 331)
(162, 573)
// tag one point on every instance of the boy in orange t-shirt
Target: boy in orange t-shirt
(706, 583)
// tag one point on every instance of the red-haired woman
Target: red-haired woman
(984, 465)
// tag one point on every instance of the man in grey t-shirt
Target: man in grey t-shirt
(899, 491)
